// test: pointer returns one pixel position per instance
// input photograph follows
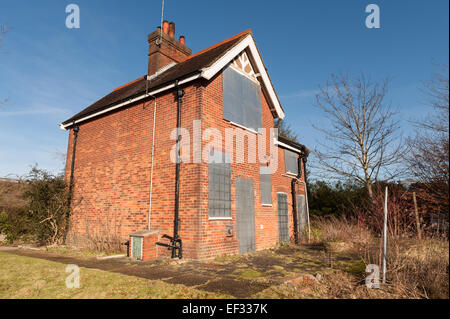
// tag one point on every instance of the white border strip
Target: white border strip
(220, 218)
(64, 127)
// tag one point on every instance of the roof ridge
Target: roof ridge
(249, 31)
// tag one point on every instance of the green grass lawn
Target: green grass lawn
(25, 277)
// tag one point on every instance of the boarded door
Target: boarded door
(283, 217)
(245, 215)
(301, 209)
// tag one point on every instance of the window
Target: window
(241, 99)
(219, 185)
(265, 185)
(290, 162)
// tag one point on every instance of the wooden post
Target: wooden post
(416, 212)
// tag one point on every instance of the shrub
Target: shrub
(327, 199)
(14, 223)
(47, 196)
(41, 215)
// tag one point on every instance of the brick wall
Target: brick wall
(215, 241)
(112, 176)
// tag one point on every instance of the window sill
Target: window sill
(244, 128)
(266, 205)
(220, 218)
(290, 174)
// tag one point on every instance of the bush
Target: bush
(14, 223)
(326, 199)
(47, 195)
(42, 216)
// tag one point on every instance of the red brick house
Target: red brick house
(202, 195)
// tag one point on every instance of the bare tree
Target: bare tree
(428, 159)
(361, 141)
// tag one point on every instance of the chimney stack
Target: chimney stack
(164, 48)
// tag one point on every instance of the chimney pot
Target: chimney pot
(165, 26)
(172, 29)
(165, 49)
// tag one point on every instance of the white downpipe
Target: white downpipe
(151, 167)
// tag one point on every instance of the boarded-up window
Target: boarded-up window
(283, 217)
(290, 161)
(301, 210)
(219, 185)
(265, 185)
(241, 99)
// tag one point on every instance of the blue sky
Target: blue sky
(49, 72)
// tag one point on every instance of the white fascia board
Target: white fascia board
(152, 93)
(276, 142)
(248, 41)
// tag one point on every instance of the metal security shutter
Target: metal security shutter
(301, 209)
(283, 217)
(265, 185)
(245, 215)
(219, 185)
(232, 91)
(290, 162)
(241, 99)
